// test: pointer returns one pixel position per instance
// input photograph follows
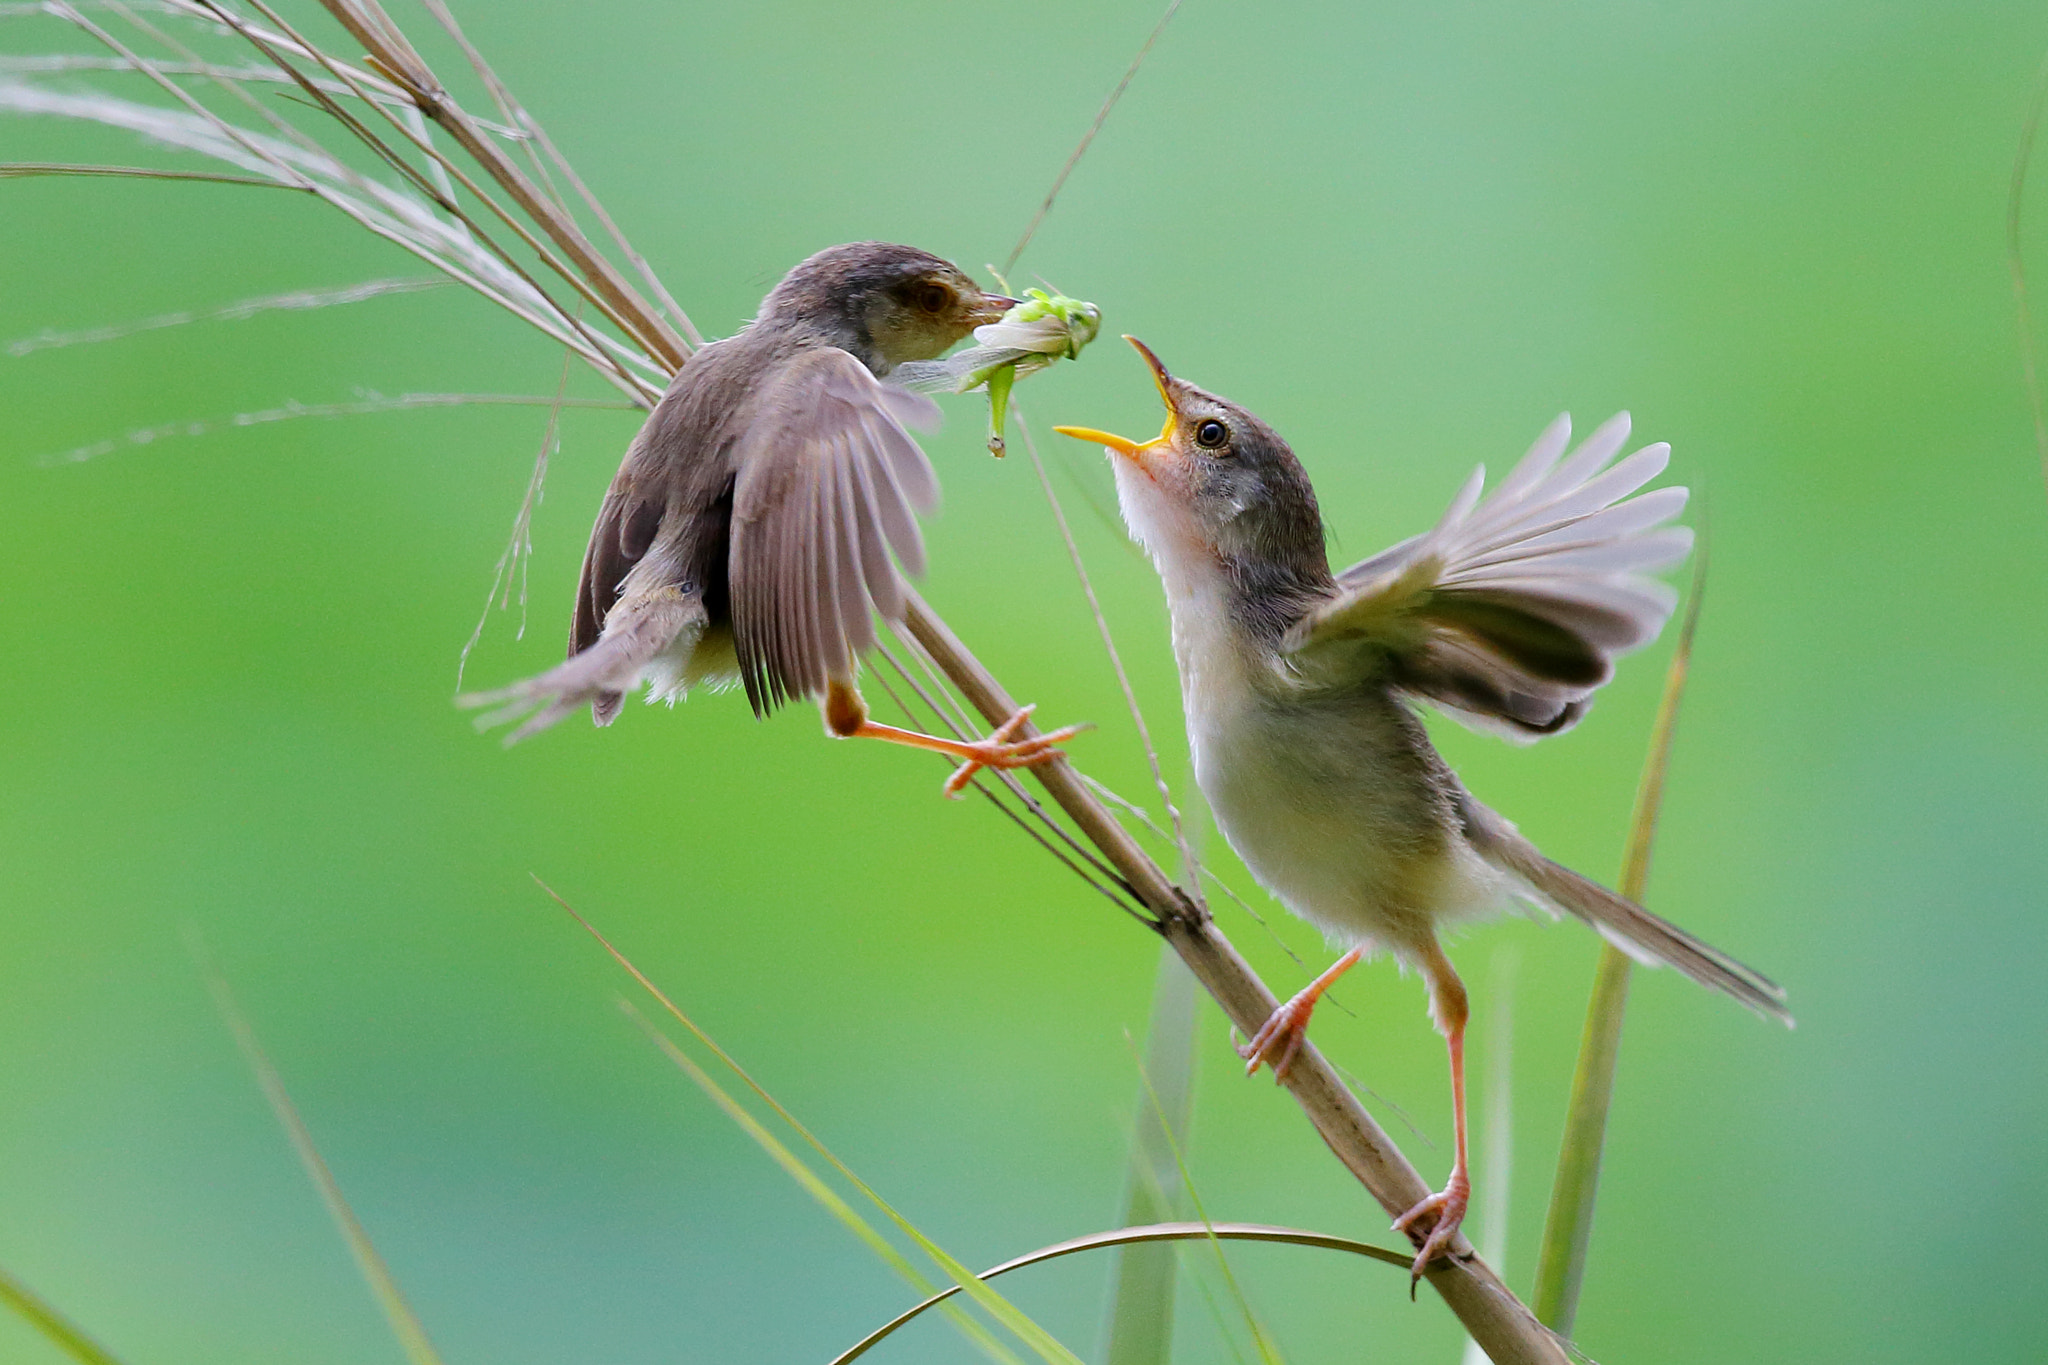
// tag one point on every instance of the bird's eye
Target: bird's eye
(1212, 435)
(934, 298)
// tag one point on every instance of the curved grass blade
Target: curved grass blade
(1568, 1228)
(997, 1307)
(59, 1330)
(1124, 1237)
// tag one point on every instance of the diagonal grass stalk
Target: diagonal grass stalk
(1568, 1228)
(66, 1335)
(405, 1324)
(999, 1308)
(813, 1184)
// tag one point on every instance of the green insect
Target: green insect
(1028, 338)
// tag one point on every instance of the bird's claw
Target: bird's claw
(1447, 1207)
(1278, 1041)
(1002, 751)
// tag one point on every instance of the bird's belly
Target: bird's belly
(1326, 809)
(695, 658)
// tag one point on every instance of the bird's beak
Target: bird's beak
(1123, 445)
(992, 308)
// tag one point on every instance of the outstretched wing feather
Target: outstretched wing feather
(825, 509)
(1511, 611)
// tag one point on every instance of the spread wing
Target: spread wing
(829, 483)
(1510, 613)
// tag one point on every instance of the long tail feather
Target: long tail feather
(1628, 926)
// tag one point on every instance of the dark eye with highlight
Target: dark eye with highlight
(1212, 435)
(934, 298)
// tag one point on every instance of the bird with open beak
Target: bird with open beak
(754, 529)
(1300, 688)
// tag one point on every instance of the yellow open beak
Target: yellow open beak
(1123, 445)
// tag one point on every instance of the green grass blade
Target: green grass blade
(2016, 264)
(995, 1305)
(1268, 1353)
(1568, 1229)
(815, 1186)
(1153, 1234)
(405, 1324)
(61, 1332)
(1141, 1303)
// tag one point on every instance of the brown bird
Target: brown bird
(748, 535)
(1300, 689)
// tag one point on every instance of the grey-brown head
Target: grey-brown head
(883, 303)
(1219, 486)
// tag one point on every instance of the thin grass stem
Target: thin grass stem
(1142, 1296)
(1568, 1227)
(293, 301)
(426, 183)
(518, 553)
(2015, 261)
(367, 22)
(374, 403)
(530, 127)
(1001, 1309)
(1191, 868)
(66, 1335)
(1268, 1354)
(1081, 148)
(814, 1185)
(10, 170)
(405, 1324)
(989, 795)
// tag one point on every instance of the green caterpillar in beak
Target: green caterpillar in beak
(1028, 338)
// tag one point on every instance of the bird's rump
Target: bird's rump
(1510, 612)
(829, 487)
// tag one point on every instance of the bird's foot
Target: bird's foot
(1002, 750)
(1278, 1041)
(1447, 1207)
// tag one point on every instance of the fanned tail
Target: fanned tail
(1629, 927)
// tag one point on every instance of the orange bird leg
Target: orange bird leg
(1286, 1029)
(1447, 1001)
(846, 717)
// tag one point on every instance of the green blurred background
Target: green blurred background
(1408, 236)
